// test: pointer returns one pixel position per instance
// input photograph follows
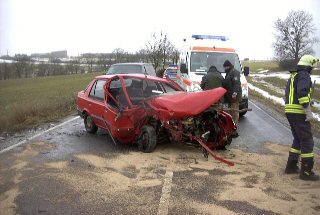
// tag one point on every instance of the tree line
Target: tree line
(158, 50)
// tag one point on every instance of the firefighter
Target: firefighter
(213, 79)
(299, 115)
(233, 86)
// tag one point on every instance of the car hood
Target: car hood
(183, 105)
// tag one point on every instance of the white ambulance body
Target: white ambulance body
(203, 51)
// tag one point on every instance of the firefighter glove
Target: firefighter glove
(309, 115)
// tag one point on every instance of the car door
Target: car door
(118, 114)
(96, 102)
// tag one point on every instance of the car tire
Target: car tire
(242, 114)
(148, 139)
(89, 124)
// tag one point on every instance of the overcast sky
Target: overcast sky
(29, 26)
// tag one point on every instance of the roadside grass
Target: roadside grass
(281, 83)
(256, 66)
(277, 82)
(33, 101)
(316, 72)
(280, 109)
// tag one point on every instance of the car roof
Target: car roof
(149, 77)
(133, 63)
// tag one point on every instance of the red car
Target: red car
(146, 110)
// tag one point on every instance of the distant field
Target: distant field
(272, 66)
(32, 101)
(256, 66)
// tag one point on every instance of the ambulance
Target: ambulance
(203, 51)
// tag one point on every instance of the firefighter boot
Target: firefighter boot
(306, 172)
(292, 167)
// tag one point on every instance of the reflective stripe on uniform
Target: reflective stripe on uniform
(307, 155)
(291, 107)
(294, 108)
(293, 150)
(291, 95)
(304, 100)
(295, 111)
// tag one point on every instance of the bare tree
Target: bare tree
(104, 60)
(159, 48)
(21, 64)
(5, 71)
(294, 36)
(142, 54)
(174, 56)
(89, 59)
(119, 55)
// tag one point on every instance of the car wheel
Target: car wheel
(148, 140)
(89, 124)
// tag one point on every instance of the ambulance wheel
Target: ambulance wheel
(148, 139)
(89, 124)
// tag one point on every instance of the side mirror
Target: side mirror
(246, 71)
(183, 68)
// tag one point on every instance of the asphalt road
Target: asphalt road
(68, 171)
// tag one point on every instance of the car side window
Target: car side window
(92, 89)
(168, 88)
(97, 91)
(116, 95)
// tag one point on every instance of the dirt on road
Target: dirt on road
(131, 182)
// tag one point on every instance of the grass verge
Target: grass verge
(256, 66)
(280, 109)
(33, 101)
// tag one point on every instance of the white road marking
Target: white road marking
(270, 116)
(288, 129)
(165, 195)
(37, 135)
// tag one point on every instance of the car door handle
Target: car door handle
(90, 104)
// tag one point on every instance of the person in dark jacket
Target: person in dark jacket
(298, 111)
(213, 79)
(233, 86)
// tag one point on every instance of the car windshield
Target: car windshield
(125, 69)
(140, 89)
(150, 70)
(201, 61)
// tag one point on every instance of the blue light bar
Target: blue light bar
(209, 37)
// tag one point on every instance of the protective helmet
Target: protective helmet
(308, 60)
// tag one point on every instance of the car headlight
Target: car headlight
(244, 90)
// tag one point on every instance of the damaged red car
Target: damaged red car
(147, 110)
